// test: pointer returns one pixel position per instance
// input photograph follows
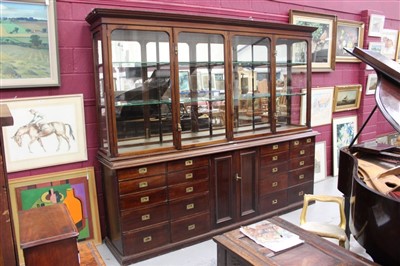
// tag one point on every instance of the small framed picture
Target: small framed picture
(321, 106)
(350, 34)
(320, 161)
(347, 97)
(371, 84)
(389, 40)
(376, 47)
(376, 24)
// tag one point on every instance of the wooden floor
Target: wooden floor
(89, 255)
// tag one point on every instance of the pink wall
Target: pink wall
(76, 67)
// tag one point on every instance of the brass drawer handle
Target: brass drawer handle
(302, 152)
(301, 163)
(301, 193)
(308, 140)
(238, 177)
(145, 217)
(275, 158)
(143, 170)
(189, 176)
(275, 184)
(190, 206)
(275, 169)
(191, 227)
(147, 239)
(275, 147)
(144, 199)
(189, 189)
(188, 162)
(143, 184)
(296, 142)
(301, 177)
(275, 201)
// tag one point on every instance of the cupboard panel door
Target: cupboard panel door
(248, 182)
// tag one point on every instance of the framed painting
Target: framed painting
(29, 44)
(344, 130)
(371, 84)
(389, 40)
(323, 39)
(320, 161)
(350, 34)
(74, 188)
(376, 24)
(347, 97)
(321, 106)
(184, 81)
(47, 131)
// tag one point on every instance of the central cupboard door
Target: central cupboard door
(235, 183)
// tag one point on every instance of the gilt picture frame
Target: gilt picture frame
(347, 97)
(52, 188)
(350, 34)
(29, 44)
(323, 39)
(389, 39)
(47, 131)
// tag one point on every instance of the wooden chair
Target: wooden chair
(325, 229)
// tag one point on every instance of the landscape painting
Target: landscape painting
(28, 44)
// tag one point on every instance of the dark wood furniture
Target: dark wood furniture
(7, 239)
(200, 125)
(48, 236)
(234, 248)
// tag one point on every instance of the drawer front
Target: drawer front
(273, 201)
(303, 151)
(143, 199)
(294, 144)
(269, 184)
(141, 171)
(135, 219)
(188, 176)
(187, 189)
(153, 237)
(190, 227)
(274, 148)
(274, 169)
(141, 184)
(296, 193)
(181, 208)
(301, 162)
(274, 158)
(187, 164)
(301, 175)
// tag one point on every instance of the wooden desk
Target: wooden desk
(48, 236)
(234, 248)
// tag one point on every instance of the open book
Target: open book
(271, 236)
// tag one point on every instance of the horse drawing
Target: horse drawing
(36, 131)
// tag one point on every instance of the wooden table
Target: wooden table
(234, 248)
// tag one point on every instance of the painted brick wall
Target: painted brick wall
(76, 66)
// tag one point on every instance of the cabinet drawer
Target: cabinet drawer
(187, 189)
(135, 219)
(181, 208)
(187, 164)
(143, 199)
(141, 171)
(274, 169)
(141, 184)
(188, 175)
(294, 144)
(142, 240)
(301, 175)
(296, 193)
(301, 162)
(273, 201)
(190, 227)
(273, 148)
(274, 158)
(302, 151)
(269, 184)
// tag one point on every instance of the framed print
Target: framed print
(344, 130)
(350, 34)
(347, 97)
(47, 131)
(74, 188)
(29, 44)
(371, 84)
(376, 24)
(320, 161)
(375, 46)
(184, 81)
(323, 39)
(321, 106)
(389, 40)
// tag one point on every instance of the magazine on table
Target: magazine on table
(271, 236)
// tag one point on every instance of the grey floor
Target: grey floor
(205, 253)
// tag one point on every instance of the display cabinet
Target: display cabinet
(190, 109)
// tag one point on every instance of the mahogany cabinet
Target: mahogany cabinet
(204, 125)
